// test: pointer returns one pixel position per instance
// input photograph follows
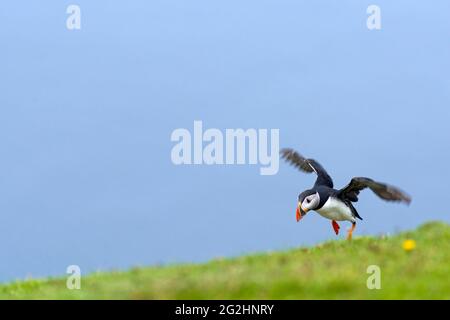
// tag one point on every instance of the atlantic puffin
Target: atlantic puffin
(334, 204)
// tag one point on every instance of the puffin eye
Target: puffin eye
(308, 201)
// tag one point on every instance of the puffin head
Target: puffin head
(307, 200)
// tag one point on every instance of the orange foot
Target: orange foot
(335, 226)
(350, 232)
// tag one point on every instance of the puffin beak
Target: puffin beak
(300, 212)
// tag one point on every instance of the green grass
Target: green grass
(333, 270)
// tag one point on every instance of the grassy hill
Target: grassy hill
(333, 270)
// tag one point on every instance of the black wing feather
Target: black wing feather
(308, 166)
(382, 190)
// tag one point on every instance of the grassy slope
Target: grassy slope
(333, 270)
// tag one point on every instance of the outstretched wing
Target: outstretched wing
(384, 191)
(307, 165)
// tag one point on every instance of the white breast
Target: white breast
(335, 209)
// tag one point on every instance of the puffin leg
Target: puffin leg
(350, 232)
(335, 226)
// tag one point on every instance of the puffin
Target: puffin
(336, 204)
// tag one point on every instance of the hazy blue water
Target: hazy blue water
(86, 118)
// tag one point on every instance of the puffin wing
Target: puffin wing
(382, 190)
(308, 166)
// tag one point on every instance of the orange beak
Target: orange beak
(297, 214)
(300, 212)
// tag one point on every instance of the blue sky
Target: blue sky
(86, 118)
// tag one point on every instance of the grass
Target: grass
(333, 270)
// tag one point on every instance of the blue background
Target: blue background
(86, 117)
